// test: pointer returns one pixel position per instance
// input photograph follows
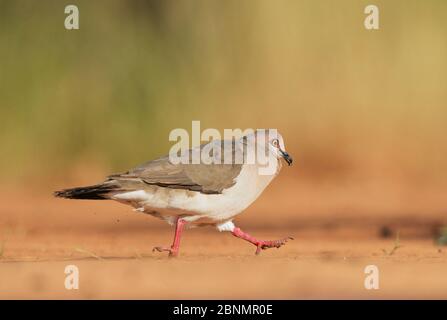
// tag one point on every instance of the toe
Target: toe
(274, 244)
(172, 252)
(161, 249)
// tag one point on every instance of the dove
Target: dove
(189, 194)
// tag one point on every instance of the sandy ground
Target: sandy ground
(214, 265)
(334, 241)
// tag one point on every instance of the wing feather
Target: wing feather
(205, 178)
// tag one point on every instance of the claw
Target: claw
(161, 249)
(260, 244)
(263, 245)
(172, 252)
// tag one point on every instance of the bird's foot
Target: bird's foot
(172, 252)
(174, 249)
(260, 244)
(266, 244)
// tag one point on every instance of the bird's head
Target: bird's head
(273, 143)
(277, 148)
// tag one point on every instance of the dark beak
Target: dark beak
(286, 157)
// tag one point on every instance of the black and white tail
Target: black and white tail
(96, 192)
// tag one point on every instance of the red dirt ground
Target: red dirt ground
(335, 240)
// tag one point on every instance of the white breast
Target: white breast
(195, 205)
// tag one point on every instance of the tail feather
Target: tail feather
(96, 192)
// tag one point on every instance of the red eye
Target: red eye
(275, 142)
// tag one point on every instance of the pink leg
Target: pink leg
(260, 244)
(174, 249)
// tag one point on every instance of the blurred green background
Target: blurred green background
(349, 102)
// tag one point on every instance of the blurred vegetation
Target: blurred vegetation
(441, 238)
(347, 100)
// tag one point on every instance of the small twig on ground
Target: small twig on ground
(396, 246)
(91, 254)
(138, 255)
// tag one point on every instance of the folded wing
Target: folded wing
(205, 178)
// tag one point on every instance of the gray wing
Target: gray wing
(205, 178)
